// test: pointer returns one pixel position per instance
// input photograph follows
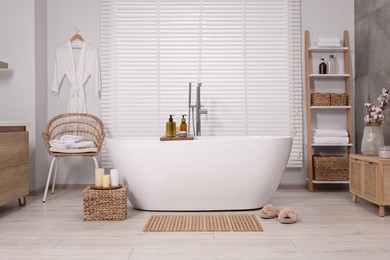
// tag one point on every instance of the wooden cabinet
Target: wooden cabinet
(330, 112)
(13, 162)
(370, 180)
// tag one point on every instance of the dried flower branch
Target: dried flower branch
(375, 112)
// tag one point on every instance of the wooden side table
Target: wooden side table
(369, 178)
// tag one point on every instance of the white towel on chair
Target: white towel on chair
(60, 144)
(79, 145)
(56, 143)
(330, 140)
(330, 133)
(74, 138)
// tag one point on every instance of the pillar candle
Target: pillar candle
(99, 172)
(106, 181)
(114, 177)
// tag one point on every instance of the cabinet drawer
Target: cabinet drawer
(355, 176)
(371, 178)
(13, 183)
(13, 149)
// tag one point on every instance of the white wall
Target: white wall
(23, 50)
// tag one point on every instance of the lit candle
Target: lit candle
(106, 181)
(114, 177)
(99, 172)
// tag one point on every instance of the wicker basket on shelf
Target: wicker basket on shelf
(320, 99)
(331, 167)
(338, 99)
(105, 204)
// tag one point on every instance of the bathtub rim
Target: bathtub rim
(202, 138)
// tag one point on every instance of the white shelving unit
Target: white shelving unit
(311, 79)
(332, 107)
(330, 182)
(341, 145)
(319, 49)
(328, 76)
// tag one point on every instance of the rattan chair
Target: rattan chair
(86, 125)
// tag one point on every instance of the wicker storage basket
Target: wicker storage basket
(105, 204)
(337, 99)
(331, 167)
(320, 99)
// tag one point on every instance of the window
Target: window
(247, 54)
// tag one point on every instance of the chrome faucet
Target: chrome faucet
(199, 111)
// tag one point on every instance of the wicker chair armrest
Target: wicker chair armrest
(100, 142)
(46, 140)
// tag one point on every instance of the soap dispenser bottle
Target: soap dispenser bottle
(183, 127)
(322, 67)
(170, 130)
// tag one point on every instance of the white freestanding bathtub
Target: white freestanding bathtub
(205, 174)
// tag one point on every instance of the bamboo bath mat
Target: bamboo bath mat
(202, 223)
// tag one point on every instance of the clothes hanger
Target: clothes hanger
(76, 36)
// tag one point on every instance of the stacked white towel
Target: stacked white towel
(328, 42)
(74, 138)
(330, 133)
(330, 140)
(330, 136)
(71, 142)
(57, 143)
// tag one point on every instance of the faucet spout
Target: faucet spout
(199, 111)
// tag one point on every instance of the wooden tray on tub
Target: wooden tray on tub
(176, 138)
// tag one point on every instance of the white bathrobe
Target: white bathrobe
(77, 73)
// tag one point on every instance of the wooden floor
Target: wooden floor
(330, 227)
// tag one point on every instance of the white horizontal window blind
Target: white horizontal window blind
(245, 52)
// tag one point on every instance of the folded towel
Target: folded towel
(68, 144)
(74, 138)
(330, 133)
(328, 45)
(328, 42)
(328, 39)
(60, 144)
(330, 140)
(79, 145)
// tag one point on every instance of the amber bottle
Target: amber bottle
(183, 125)
(322, 67)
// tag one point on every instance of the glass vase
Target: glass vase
(372, 140)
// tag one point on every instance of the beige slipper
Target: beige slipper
(287, 216)
(269, 211)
